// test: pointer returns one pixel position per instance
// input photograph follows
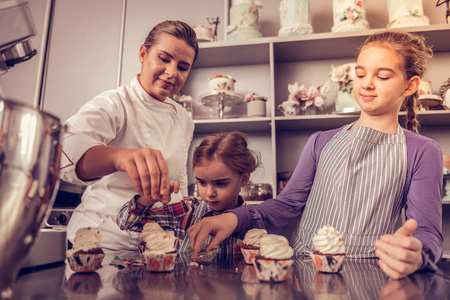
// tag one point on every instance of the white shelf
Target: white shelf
(314, 46)
(321, 122)
(241, 124)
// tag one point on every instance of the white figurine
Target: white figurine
(244, 20)
(406, 13)
(294, 18)
(349, 15)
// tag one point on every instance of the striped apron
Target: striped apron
(357, 189)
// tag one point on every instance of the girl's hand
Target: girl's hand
(220, 226)
(399, 253)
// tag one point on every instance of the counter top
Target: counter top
(228, 278)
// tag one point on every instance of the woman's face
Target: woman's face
(380, 84)
(165, 66)
(219, 186)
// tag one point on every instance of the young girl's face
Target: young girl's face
(219, 186)
(380, 84)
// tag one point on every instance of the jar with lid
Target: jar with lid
(262, 191)
(246, 192)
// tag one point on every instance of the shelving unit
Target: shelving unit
(274, 55)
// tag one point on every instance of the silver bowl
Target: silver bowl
(30, 150)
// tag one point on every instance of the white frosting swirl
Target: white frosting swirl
(275, 247)
(160, 241)
(87, 239)
(151, 227)
(328, 240)
(254, 236)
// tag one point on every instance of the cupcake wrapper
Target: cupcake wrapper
(272, 270)
(328, 263)
(84, 262)
(157, 262)
(249, 255)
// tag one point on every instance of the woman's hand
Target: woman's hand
(146, 168)
(399, 253)
(220, 226)
(148, 172)
(165, 199)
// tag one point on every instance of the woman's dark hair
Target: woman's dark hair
(230, 148)
(178, 29)
(415, 53)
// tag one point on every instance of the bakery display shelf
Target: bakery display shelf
(316, 46)
(221, 99)
(433, 117)
(233, 54)
(313, 122)
(261, 124)
(345, 44)
(322, 122)
(446, 254)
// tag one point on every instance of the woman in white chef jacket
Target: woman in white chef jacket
(133, 139)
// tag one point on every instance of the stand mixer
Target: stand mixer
(30, 148)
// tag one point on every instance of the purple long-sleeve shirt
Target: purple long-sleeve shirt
(422, 193)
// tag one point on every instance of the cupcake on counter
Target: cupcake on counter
(274, 261)
(160, 254)
(251, 244)
(149, 228)
(86, 255)
(329, 253)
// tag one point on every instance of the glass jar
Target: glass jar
(246, 192)
(262, 191)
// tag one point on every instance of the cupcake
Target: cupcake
(250, 247)
(329, 253)
(86, 255)
(151, 227)
(274, 260)
(159, 254)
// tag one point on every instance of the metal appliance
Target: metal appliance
(16, 29)
(30, 149)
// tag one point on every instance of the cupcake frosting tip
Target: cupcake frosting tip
(150, 227)
(328, 240)
(253, 237)
(87, 239)
(275, 246)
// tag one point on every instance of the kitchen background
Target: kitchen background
(93, 46)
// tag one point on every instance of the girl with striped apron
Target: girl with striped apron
(359, 192)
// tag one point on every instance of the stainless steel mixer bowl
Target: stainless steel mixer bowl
(30, 150)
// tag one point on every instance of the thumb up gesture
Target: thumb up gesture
(399, 253)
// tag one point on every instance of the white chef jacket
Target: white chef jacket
(127, 117)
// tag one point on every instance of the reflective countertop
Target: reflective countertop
(228, 278)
